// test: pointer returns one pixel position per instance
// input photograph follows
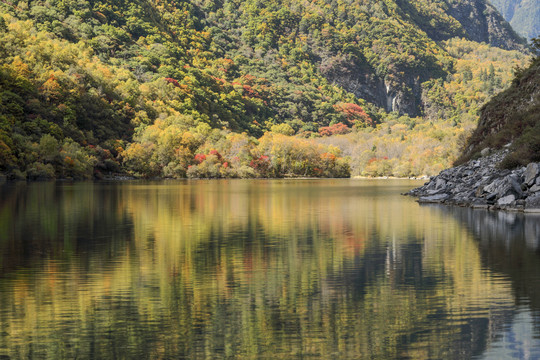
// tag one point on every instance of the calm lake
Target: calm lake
(326, 269)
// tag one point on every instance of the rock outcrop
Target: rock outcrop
(481, 184)
(483, 23)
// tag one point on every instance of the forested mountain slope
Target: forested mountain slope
(523, 15)
(97, 85)
(512, 118)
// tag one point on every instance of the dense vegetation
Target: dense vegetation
(238, 89)
(512, 119)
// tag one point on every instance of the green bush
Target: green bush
(40, 171)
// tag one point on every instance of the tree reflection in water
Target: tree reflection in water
(245, 269)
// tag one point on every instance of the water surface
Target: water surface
(261, 269)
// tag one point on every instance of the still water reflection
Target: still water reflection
(261, 269)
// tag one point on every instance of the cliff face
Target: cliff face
(401, 95)
(476, 20)
(523, 15)
(483, 23)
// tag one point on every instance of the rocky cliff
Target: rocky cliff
(476, 20)
(483, 23)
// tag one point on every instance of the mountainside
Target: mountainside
(523, 15)
(499, 168)
(512, 119)
(148, 85)
(483, 23)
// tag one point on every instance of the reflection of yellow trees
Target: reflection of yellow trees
(254, 268)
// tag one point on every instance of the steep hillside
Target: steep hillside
(148, 85)
(523, 15)
(374, 50)
(483, 23)
(499, 168)
(512, 117)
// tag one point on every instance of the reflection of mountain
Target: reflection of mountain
(421, 298)
(509, 244)
(244, 269)
(51, 221)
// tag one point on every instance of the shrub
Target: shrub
(40, 171)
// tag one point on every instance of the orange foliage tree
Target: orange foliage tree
(354, 114)
(336, 129)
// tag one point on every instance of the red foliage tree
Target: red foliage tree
(262, 164)
(216, 153)
(354, 113)
(172, 81)
(336, 129)
(200, 158)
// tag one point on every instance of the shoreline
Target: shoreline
(423, 177)
(125, 177)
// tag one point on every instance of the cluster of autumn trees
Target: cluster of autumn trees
(167, 148)
(90, 88)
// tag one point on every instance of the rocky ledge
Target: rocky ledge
(482, 184)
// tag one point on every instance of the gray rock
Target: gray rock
(509, 186)
(440, 183)
(480, 183)
(485, 152)
(430, 185)
(433, 198)
(506, 200)
(479, 191)
(433, 192)
(493, 186)
(479, 203)
(533, 203)
(531, 173)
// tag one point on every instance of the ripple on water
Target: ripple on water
(261, 269)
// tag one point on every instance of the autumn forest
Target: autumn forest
(242, 89)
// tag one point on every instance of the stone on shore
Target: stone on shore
(433, 198)
(507, 200)
(532, 204)
(531, 173)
